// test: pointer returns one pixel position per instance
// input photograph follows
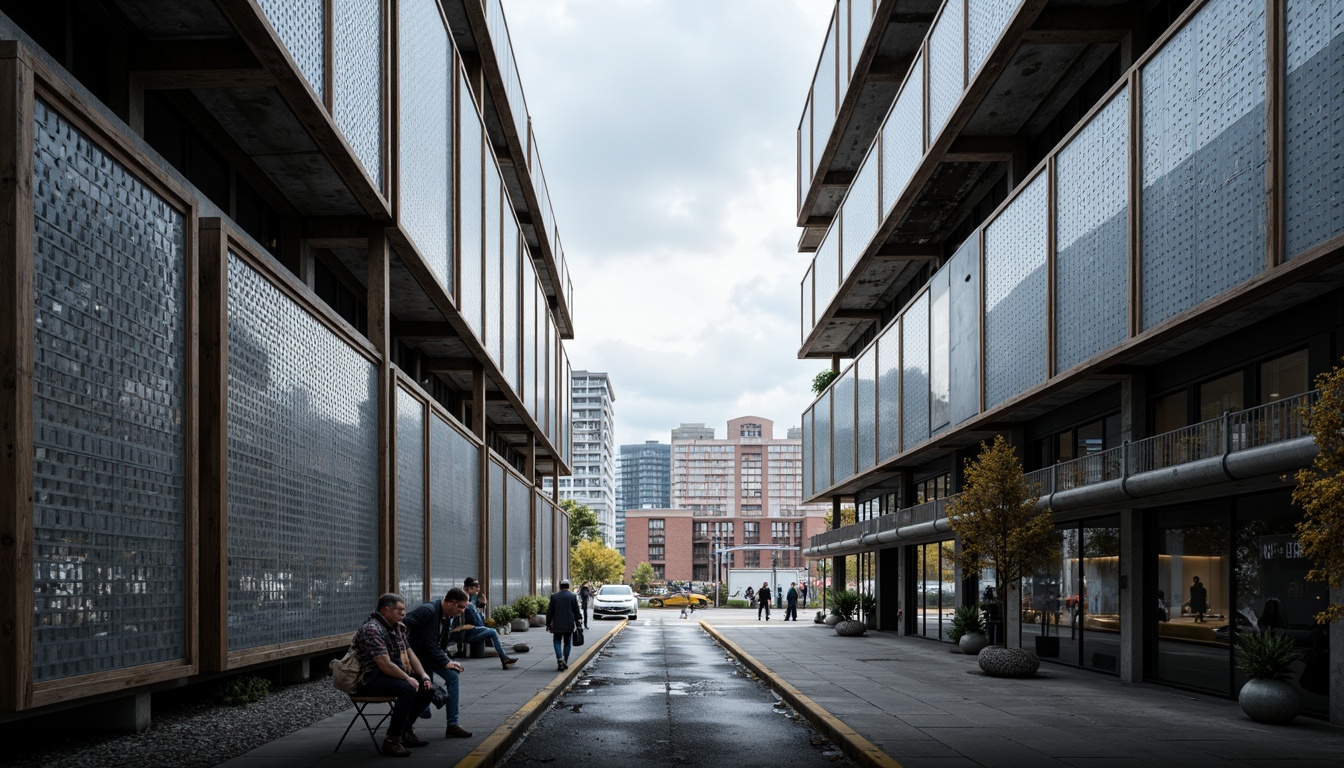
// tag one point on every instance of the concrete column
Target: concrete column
(296, 670)
(1134, 407)
(128, 714)
(837, 563)
(1133, 596)
(888, 588)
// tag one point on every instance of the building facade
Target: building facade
(744, 489)
(593, 481)
(1113, 235)
(643, 481)
(283, 327)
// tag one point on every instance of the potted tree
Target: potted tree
(539, 605)
(503, 617)
(1266, 657)
(995, 517)
(968, 630)
(523, 609)
(846, 607)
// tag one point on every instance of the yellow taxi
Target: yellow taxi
(676, 600)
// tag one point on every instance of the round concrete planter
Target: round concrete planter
(538, 620)
(821, 618)
(850, 628)
(518, 625)
(1270, 701)
(997, 661)
(972, 643)
(832, 620)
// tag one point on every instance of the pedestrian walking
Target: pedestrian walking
(791, 602)
(585, 592)
(563, 616)
(763, 601)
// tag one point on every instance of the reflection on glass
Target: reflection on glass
(1284, 377)
(935, 589)
(1096, 614)
(1220, 396)
(1193, 583)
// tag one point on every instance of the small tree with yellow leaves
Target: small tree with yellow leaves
(995, 517)
(1320, 490)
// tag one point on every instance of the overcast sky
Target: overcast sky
(667, 133)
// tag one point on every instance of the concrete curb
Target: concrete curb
(489, 752)
(859, 749)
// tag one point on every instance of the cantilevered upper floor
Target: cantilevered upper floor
(921, 121)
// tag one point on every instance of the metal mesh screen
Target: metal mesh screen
(519, 567)
(301, 26)
(302, 471)
(454, 507)
(889, 392)
(1314, 164)
(424, 126)
(915, 373)
(1015, 295)
(357, 97)
(470, 190)
(495, 532)
(109, 377)
(410, 497)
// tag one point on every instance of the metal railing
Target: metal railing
(1230, 433)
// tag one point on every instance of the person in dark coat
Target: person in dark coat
(1199, 600)
(427, 627)
(763, 601)
(585, 593)
(563, 616)
(791, 602)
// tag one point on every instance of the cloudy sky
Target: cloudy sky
(667, 133)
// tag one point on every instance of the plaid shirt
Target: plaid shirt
(375, 638)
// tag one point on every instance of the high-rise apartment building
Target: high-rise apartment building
(745, 488)
(643, 481)
(593, 481)
(1112, 232)
(283, 325)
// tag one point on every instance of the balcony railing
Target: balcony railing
(1276, 422)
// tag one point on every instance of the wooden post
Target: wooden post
(16, 378)
(214, 394)
(379, 332)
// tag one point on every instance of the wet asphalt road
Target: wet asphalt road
(663, 693)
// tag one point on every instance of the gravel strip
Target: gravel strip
(192, 733)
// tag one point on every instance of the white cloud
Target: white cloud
(667, 129)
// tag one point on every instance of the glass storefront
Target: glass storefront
(1071, 612)
(1217, 566)
(935, 596)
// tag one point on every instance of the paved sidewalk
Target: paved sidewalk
(923, 705)
(495, 704)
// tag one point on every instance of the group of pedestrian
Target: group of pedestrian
(399, 654)
(764, 594)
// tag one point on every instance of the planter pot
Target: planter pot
(502, 629)
(972, 643)
(518, 625)
(850, 628)
(997, 661)
(870, 621)
(1047, 647)
(832, 620)
(538, 620)
(1270, 701)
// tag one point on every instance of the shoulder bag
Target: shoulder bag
(578, 636)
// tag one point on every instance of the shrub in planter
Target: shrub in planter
(244, 690)
(525, 607)
(968, 630)
(1266, 657)
(543, 602)
(847, 603)
(503, 615)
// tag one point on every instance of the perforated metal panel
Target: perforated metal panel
(454, 507)
(1314, 129)
(821, 444)
(495, 531)
(826, 267)
(1015, 296)
(109, 377)
(470, 188)
(860, 22)
(842, 426)
(940, 322)
(1092, 220)
(889, 392)
(357, 98)
(964, 353)
(807, 453)
(301, 26)
(860, 213)
(823, 96)
(903, 137)
(865, 402)
(424, 202)
(807, 313)
(519, 564)
(986, 21)
(499, 37)
(529, 332)
(493, 275)
(805, 164)
(302, 471)
(1204, 159)
(947, 62)
(545, 543)
(510, 318)
(915, 373)
(410, 497)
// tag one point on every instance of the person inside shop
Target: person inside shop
(1199, 600)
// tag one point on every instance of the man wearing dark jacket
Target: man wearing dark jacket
(563, 616)
(427, 627)
(791, 602)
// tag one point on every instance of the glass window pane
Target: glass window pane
(1193, 581)
(1219, 396)
(1284, 377)
(1170, 413)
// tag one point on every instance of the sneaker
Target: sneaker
(409, 739)
(393, 748)
(507, 660)
(456, 732)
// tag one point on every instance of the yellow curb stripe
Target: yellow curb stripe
(488, 752)
(859, 749)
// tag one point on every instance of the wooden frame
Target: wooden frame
(24, 78)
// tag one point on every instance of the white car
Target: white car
(615, 600)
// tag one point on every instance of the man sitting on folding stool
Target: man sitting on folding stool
(388, 667)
